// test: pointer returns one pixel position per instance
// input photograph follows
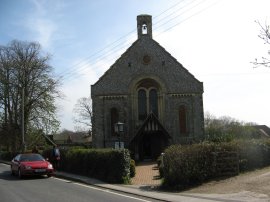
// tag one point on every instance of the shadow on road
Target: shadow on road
(6, 175)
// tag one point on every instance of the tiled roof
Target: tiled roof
(263, 129)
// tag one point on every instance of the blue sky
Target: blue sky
(214, 39)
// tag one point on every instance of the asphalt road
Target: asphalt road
(35, 189)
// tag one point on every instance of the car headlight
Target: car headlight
(50, 166)
(28, 167)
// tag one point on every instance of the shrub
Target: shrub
(186, 165)
(132, 168)
(109, 165)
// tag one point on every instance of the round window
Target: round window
(146, 59)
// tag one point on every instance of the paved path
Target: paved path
(146, 174)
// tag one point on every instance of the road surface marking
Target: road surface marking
(104, 190)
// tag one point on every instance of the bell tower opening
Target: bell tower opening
(144, 25)
(144, 29)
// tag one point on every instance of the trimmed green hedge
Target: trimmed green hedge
(109, 165)
(189, 164)
(185, 165)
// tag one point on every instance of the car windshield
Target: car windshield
(31, 157)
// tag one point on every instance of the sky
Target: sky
(215, 40)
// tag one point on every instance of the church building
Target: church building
(158, 101)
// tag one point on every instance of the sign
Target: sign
(119, 146)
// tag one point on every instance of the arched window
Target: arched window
(153, 101)
(142, 107)
(183, 120)
(114, 119)
(148, 98)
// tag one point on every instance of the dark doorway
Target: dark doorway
(146, 144)
(152, 145)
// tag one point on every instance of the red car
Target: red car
(31, 164)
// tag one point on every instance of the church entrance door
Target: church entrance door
(146, 147)
(151, 145)
(150, 140)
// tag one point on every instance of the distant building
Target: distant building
(159, 101)
(263, 131)
(69, 137)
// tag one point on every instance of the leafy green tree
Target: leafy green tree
(28, 91)
(225, 129)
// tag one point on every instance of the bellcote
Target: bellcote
(144, 26)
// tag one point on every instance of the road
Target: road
(35, 189)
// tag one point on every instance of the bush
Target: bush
(186, 165)
(109, 165)
(132, 168)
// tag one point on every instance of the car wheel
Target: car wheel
(49, 175)
(20, 174)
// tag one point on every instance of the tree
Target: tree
(28, 91)
(83, 114)
(265, 36)
(225, 129)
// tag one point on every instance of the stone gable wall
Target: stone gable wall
(116, 89)
(131, 66)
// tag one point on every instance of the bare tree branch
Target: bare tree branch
(83, 113)
(265, 36)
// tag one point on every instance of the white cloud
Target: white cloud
(44, 30)
(41, 23)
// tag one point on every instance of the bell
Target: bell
(144, 27)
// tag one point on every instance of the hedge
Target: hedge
(185, 165)
(109, 165)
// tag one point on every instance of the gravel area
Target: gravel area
(257, 181)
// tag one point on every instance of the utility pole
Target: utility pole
(23, 139)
